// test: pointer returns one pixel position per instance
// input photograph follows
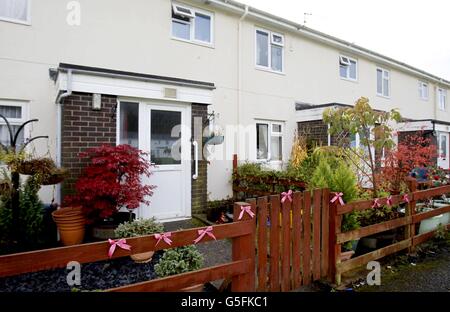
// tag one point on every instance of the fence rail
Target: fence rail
(241, 269)
(409, 222)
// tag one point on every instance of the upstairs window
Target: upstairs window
(269, 141)
(442, 99)
(423, 90)
(191, 24)
(383, 82)
(17, 11)
(269, 50)
(348, 68)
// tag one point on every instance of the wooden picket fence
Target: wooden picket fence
(292, 240)
(409, 221)
(240, 270)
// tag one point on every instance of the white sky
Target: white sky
(416, 32)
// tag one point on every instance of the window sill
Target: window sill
(384, 96)
(266, 69)
(197, 43)
(349, 79)
(14, 21)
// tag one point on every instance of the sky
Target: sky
(414, 32)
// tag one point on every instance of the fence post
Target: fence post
(335, 248)
(410, 211)
(244, 248)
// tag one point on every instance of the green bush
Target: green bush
(30, 215)
(138, 227)
(179, 260)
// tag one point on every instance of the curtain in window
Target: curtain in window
(14, 9)
(262, 144)
(4, 135)
(10, 111)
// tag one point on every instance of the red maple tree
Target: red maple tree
(415, 151)
(112, 180)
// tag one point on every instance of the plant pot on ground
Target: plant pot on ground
(180, 260)
(136, 228)
(71, 225)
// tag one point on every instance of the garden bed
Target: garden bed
(95, 276)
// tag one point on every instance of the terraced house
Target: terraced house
(109, 71)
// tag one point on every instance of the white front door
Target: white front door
(443, 152)
(161, 129)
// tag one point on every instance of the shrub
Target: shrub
(179, 260)
(112, 180)
(138, 227)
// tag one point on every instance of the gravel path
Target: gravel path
(429, 274)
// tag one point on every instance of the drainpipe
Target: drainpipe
(59, 127)
(239, 99)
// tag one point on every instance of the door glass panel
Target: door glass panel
(165, 137)
(443, 149)
(129, 123)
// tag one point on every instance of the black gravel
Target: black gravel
(94, 276)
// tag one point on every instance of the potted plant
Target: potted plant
(111, 181)
(71, 224)
(180, 260)
(139, 227)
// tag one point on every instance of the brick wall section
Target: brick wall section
(84, 128)
(316, 132)
(199, 186)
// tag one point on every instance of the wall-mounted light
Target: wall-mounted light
(96, 101)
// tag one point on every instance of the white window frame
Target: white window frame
(17, 121)
(442, 93)
(424, 86)
(192, 25)
(18, 21)
(270, 134)
(383, 71)
(346, 61)
(270, 42)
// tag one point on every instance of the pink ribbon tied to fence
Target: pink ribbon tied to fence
(406, 198)
(338, 197)
(121, 243)
(286, 195)
(248, 210)
(389, 201)
(165, 237)
(202, 233)
(376, 203)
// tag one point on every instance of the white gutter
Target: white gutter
(237, 7)
(239, 98)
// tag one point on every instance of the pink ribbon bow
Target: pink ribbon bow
(389, 200)
(286, 195)
(122, 243)
(165, 237)
(202, 233)
(248, 210)
(406, 198)
(338, 197)
(376, 203)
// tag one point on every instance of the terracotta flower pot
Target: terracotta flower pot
(71, 225)
(195, 288)
(143, 257)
